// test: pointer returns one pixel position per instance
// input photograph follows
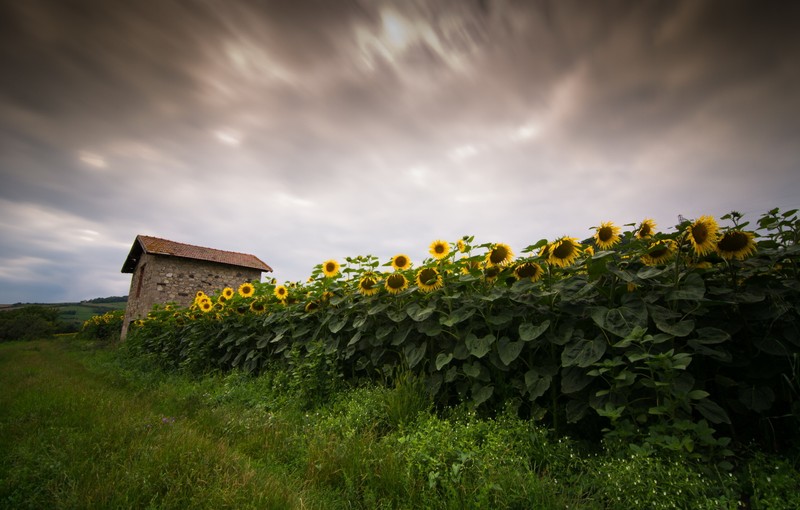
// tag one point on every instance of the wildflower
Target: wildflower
(530, 270)
(499, 255)
(401, 262)
(607, 235)
(439, 249)
(646, 228)
(703, 234)
(227, 292)
(563, 252)
(330, 268)
(736, 244)
(246, 290)
(395, 283)
(368, 285)
(429, 279)
(281, 292)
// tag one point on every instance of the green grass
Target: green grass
(88, 428)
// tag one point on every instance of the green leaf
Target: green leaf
(479, 347)
(757, 398)
(584, 352)
(354, 340)
(417, 313)
(481, 393)
(679, 329)
(472, 370)
(499, 319)
(456, 316)
(698, 394)
(414, 354)
(536, 384)
(620, 321)
(508, 350)
(528, 331)
(396, 315)
(400, 335)
(712, 411)
(646, 273)
(574, 379)
(692, 288)
(443, 359)
(337, 324)
(709, 336)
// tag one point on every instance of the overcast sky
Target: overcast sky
(303, 131)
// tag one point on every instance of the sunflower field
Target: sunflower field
(681, 340)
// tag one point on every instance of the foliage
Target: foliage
(28, 323)
(105, 327)
(660, 341)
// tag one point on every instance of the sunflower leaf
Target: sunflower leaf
(508, 350)
(443, 359)
(528, 331)
(479, 347)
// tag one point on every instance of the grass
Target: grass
(87, 428)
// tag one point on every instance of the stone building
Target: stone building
(165, 271)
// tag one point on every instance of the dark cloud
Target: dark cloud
(301, 131)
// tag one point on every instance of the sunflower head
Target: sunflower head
(491, 273)
(206, 306)
(368, 284)
(330, 268)
(563, 252)
(646, 229)
(246, 290)
(530, 270)
(257, 306)
(607, 235)
(221, 299)
(499, 255)
(660, 253)
(462, 247)
(311, 306)
(281, 292)
(736, 244)
(199, 294)
(703, 235)
(429, 279)
(439, 249)
(227, 292)
(401, 262)
(395, 283)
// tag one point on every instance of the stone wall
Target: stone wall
(162, 279)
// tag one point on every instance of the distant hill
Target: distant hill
(73, 315)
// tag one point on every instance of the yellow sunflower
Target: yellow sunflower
(429, 279)
(499, 255)
(257, 306)
(544, 251)
(368, 285)
(660, 253)
(563, 252)
(222, 299)
(206, 306)
(439, 249)
(281, 292)
(589, 251)
(646, 229)
(703, 234)
(311, 306)
(470, 265)
(530, 270)
(401, 262)
(227, 292)
(199, 294)
(736, 244)
(395, 283)
(607, 235)
(461, 246)
(491, 273)
(330, 268)
(246, 290)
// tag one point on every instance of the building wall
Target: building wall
(162, 279)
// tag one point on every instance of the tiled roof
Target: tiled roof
(157, 246)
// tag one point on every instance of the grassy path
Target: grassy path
(73, 436)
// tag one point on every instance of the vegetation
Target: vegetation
(106, 327)
(88, 428)
(28, 322)
(72, 316)
(684, 342)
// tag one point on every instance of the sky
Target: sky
(309, 130)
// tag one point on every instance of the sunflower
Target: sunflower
(563, 252)
(461, 246)
(646, 228)
(401, 262)
(703, 234)
(470, 265)
(499, 255)
(246, 290)
(429, 279)
(227, 292)
(368, 285)
(311, 306)
(281, 292)
(589, 251)
(395, 283)
(439, 249)
(736, 244)
(327, 295)
(607, 235)
(544, 251)
(660, 253)
(199, 294)
(491, 272)
(257, 306)
(330, 268)
(530, 270)
(222, 299)
(206, 306)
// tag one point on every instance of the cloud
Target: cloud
(310, 130)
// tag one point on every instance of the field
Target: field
(73, 315)
(87, 427)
